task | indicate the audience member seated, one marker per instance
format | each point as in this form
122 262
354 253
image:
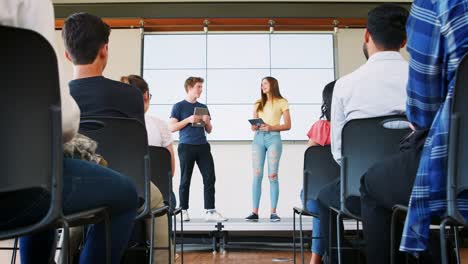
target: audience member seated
437 41
377 88
95 94
319 135
160 136
83 180
158 130
99 96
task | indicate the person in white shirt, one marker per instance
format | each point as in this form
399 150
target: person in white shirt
377 88
83 180
159 136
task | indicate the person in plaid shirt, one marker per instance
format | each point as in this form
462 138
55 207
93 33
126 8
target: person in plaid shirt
437 41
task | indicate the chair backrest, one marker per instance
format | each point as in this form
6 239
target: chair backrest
30 114
319 169
161 171
457 178
365 142
124 145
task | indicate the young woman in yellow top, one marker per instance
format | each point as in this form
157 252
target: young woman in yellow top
267 143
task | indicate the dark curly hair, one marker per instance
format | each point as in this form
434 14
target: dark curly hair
327 96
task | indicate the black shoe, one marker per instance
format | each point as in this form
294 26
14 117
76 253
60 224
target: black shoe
253 217
274 218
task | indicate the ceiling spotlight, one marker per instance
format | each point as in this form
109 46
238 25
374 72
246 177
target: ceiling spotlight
142 27
335 26
205 25
271 23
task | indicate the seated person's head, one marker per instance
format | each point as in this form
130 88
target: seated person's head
86 39
327 96
386 29
141 84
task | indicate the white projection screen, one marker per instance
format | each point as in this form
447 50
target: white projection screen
233 65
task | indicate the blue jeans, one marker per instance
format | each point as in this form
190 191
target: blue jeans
266 144
312 206
86 186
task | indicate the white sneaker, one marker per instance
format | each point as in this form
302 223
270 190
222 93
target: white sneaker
185 216
214 216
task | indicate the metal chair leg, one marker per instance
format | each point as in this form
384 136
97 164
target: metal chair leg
443 246
107 228
65 244
13 254
174 233
181 239
457 244
392 237
331 235
151 254
294 236
338 237
358 236
168 215
301 238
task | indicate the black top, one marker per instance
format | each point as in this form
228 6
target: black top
99 96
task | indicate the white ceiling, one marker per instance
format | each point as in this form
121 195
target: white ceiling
199 1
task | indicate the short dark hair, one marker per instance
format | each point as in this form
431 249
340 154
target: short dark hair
191 81
136 81
387 25
84 34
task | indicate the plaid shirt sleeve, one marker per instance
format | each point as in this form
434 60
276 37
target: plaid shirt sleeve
437 40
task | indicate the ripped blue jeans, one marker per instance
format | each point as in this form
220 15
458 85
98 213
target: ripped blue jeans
266 144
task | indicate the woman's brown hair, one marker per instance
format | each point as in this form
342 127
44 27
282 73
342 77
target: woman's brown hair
136 81
274 91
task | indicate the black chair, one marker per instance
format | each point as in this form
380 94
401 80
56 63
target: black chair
457 176
124 144
319 170
364 142
161 176
31 136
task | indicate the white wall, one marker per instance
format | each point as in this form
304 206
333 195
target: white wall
233 159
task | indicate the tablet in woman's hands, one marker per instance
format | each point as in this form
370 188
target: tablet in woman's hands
256 122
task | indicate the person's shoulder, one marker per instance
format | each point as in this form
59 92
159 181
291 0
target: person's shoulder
154 119
282 100
201 105
282 103
124 87
258 102
322 123
350 77
404 63
344 84
180 103
159 121
177 107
